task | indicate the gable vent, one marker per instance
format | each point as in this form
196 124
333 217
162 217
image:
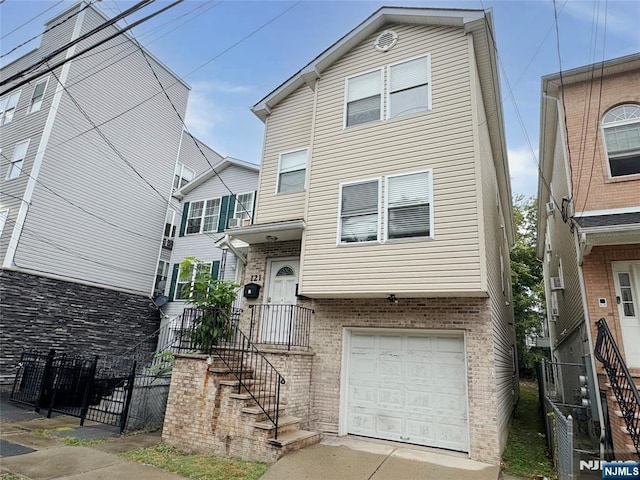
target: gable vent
385 41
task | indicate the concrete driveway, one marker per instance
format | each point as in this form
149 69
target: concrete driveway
348 458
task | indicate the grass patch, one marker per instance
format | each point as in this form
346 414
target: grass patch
199 467
71 441
11 476
526 455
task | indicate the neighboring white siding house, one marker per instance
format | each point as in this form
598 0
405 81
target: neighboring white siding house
88 158
207 204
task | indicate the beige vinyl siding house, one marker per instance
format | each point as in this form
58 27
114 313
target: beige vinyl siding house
399 242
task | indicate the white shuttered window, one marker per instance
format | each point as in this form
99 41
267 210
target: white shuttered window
409 87
293 171
359 212
409 205
364 98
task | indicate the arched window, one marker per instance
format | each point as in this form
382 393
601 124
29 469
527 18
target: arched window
621 126
285 272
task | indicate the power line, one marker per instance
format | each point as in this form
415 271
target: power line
31 19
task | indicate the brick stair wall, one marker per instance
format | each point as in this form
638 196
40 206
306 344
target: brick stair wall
206 414
622 444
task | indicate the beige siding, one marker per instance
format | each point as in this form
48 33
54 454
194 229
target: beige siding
498 281
441 140
288 128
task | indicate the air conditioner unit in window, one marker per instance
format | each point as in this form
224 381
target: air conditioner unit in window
246 222
235 222
555 312
557 283
550 208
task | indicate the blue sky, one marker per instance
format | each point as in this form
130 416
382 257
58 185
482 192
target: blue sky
283 36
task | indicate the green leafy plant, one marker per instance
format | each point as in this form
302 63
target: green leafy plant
162 363
214 300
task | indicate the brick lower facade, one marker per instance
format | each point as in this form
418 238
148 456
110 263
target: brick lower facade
69 317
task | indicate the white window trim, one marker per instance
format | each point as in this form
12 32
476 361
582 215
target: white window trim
388 89
4 215
193 278
235 207
339 242
44 93
616 123
13 161
386 208
306 168
4 108
346 91
204 209
181 169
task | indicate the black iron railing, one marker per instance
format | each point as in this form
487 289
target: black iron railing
625 390
286 325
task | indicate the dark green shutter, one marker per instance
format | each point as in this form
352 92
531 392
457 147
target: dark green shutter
183 223
224 214
215 269
255 200
174 279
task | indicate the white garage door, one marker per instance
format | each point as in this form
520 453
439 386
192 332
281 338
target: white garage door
408 388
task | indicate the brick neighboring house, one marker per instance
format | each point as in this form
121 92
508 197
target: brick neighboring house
589 225
384 205
80 230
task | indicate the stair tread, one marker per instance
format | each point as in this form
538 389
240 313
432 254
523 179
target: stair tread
292 437
257 410
282 421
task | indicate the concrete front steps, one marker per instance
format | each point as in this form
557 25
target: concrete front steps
290 436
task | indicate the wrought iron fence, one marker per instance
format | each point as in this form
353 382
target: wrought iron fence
622 384
84 386
286 325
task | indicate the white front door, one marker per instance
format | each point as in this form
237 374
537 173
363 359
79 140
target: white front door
627 281
281 297
408 387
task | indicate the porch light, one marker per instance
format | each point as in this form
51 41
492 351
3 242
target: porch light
271 238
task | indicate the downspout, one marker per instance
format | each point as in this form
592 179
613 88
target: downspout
583 289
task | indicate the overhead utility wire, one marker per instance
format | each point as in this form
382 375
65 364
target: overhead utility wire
51 92
47 30
31 19
62 62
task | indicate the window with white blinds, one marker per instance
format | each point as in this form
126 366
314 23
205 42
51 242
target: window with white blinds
621 127
359 212
292 171
409 205
364 98
204 216
408 87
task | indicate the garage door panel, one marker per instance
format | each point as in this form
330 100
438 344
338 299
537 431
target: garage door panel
408 387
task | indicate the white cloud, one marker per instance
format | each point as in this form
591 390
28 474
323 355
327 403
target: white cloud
202 114
619 17
524 171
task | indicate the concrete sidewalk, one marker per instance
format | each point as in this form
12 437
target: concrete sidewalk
348 458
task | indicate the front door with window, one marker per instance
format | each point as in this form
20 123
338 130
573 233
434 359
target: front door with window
281 298
627 282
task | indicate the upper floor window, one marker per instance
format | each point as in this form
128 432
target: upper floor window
183 175
204 216
3 219
408 210
359 212
38 95
292 171
409 87
8 106
621 127
364 98
244 206
19 152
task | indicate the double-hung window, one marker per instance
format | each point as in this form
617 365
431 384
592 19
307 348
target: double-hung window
8 106
409 90
292 171
187 279
359 212
409 205
621 127
244 206
204 216
19 152
183 175
38 95
364 98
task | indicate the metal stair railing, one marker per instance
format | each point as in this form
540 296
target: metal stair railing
254 372
625 390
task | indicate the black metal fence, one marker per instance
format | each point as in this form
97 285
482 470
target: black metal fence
286 325
85 386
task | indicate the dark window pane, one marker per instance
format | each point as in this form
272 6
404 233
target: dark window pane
628 165
363 110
